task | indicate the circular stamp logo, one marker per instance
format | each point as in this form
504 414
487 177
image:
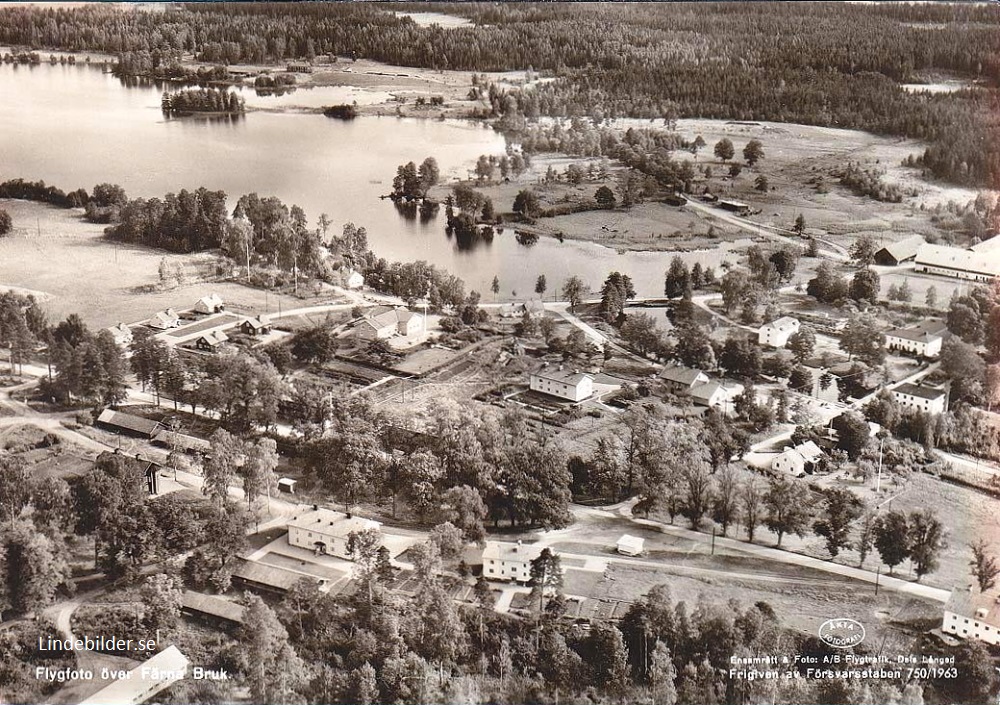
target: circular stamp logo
841 633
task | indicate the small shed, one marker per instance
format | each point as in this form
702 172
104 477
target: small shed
630 545
287 484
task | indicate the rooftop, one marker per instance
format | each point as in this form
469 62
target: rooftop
181 440
706 390
505 551
783 323
924 333
562 376
968 603
680 374
214 338
387 317
160 670
328 521
269 575
212 606
905 248
964 260
916 390
808 451
129 422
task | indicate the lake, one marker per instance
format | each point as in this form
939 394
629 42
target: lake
75 126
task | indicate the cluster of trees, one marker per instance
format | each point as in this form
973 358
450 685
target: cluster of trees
188 221
466 470
868 182
38 191
6 223
747 288
202 100
414 281
830 287
412 181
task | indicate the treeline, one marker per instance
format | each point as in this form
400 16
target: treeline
39 191
188 221
202 100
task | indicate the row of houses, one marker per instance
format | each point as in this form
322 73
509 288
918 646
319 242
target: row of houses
980 263
922 340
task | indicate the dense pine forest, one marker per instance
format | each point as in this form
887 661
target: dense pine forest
826 64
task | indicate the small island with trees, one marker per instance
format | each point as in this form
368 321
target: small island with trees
344 111
189 101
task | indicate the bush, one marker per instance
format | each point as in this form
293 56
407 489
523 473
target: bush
5 222
85 418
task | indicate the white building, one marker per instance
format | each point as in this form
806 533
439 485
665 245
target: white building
776 333
209 304
980 266
509 561
565 384
679 379
717 395
353 279
326 531
122 334
969 615
924 340
798 460
165 320
629 545
915 397
384 322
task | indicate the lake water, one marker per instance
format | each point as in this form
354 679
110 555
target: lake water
74 126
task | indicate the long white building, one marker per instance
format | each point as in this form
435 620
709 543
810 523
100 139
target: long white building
971 615
981 266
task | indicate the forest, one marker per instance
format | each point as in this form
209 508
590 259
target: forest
832 64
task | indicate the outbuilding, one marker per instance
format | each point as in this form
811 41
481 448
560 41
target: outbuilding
629 545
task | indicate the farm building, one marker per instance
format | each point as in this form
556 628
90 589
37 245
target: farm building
924 340
738 207
565 384
212 303
211 608
989 245
776 333
164 320
257 325
970 615
930 400
533 307
181 441
680 379
801 459
955 262
905 250
130 425
384 322
122 334
287 485
716 395
629 545
211 340
268 579
144 681
509 561
326 531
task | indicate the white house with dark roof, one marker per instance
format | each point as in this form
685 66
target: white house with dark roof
164 320
680 379
915 397
565 384
122 334
980 266
326 531
509 561
972 615
776 333
923 340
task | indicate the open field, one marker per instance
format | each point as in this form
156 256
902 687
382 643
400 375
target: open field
63 259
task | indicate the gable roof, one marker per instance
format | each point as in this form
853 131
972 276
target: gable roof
168 317
968 604
903 249
182 440
214 338
269 575
166 667
120 331
330 522
212 606
987 245
137 424
382 317
706 390
681 374
211 301
256 322
808 451
986 263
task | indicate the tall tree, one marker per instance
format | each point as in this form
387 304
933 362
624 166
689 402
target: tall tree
927 541
839 510
573 290
892 538
985 567
274 670
788 507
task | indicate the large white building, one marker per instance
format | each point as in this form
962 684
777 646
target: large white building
981 266
776 333
565 384
915 397
509 561
326 531
924 340
971 615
